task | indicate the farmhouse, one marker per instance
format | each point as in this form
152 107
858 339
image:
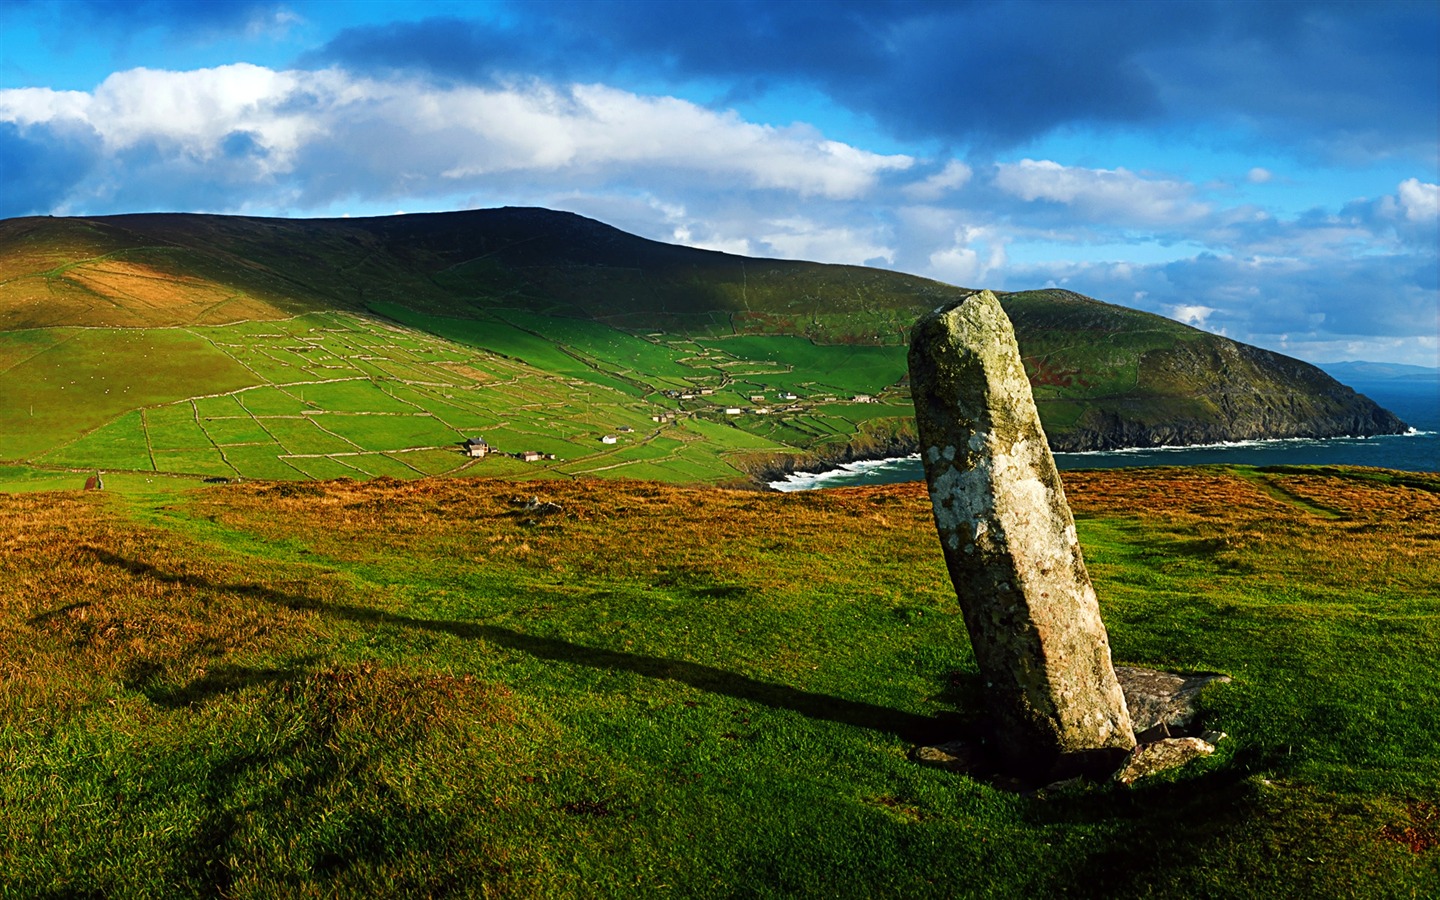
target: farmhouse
476 447
531 455
609 439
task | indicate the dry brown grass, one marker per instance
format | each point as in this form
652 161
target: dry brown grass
88 599
602 528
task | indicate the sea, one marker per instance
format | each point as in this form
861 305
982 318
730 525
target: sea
1417 402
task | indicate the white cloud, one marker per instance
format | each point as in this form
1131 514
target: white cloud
1117 195
954 176
1258 175
800 238
1419 200
1191 314
970 260
413 137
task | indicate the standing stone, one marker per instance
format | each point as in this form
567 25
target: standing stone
1009 543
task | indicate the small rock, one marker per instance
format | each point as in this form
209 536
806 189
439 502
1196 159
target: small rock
1065 785
1157 732
1213 737
957 756
1160 698
1169 753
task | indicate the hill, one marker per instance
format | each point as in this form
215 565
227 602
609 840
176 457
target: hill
225 346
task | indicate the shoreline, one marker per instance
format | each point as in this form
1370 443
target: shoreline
797 480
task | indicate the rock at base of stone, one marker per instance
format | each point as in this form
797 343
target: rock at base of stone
1159 756
966 757
1161 703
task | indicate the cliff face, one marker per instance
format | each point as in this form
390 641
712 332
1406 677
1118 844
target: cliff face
1106 377
1227 392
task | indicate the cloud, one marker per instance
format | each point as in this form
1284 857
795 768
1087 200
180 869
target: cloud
1276 303
1419 201
952 177
970 259
801 238
1190 314
1117 195
189 19
1345 81
316 136
42 163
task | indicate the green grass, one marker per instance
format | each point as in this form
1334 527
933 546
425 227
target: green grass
236 430
260 461
92 376
416 688
807 368
119 445
390 432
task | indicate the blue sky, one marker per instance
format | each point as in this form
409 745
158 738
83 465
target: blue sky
1264 170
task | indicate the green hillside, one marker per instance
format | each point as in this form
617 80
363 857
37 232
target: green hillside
227 346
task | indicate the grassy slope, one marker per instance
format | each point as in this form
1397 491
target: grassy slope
546 288
411 688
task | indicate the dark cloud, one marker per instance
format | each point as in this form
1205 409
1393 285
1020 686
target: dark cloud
188 17
42 165
1343 79
450 48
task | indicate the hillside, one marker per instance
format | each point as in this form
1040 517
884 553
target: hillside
225 346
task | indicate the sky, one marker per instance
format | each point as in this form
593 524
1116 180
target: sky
1262 170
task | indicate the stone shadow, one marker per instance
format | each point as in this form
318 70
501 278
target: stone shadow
822 707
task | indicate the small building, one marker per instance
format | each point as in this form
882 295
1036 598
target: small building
786 395
531 455
477 447
609 439
757 398
625 429
705 392
732 410
862 398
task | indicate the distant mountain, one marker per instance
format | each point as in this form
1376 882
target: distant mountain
1364 371
1104 376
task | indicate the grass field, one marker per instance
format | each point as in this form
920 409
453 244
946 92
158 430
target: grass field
412 688
245 400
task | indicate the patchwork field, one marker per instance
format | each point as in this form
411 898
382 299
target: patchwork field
337 394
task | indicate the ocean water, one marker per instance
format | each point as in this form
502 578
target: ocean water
1418 403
